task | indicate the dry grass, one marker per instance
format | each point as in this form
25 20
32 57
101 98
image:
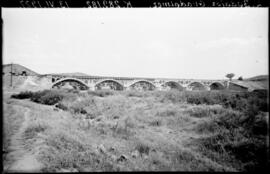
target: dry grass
148 131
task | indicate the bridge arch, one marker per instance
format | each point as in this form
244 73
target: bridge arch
142 85
216 86
173 85
194 86
109 84
73 82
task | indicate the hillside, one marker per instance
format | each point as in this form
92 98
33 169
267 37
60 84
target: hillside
258 78
17 70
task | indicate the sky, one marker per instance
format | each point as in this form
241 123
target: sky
184 43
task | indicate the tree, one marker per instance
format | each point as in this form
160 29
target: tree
230 76
240 78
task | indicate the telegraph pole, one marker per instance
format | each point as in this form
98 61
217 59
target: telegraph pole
11 76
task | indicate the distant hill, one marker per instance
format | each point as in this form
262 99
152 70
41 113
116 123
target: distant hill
17 70
258 78
20 70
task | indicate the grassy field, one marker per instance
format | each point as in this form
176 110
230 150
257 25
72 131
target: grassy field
68 130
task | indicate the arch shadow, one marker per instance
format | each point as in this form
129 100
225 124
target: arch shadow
109 84
197 86
216 86
143 85
75 83
173 85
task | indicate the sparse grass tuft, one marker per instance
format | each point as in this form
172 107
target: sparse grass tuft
123 128
200 111
156 122
32 130
142 148
167 112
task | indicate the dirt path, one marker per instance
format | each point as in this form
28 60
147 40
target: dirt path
24 161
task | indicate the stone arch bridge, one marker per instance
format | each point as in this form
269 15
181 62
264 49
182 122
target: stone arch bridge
125 83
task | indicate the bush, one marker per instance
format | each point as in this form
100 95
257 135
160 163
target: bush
101 93
251 102
61 106
207 127
259 125
207 97
78 110
48 97
167 111
134 93
172 95
22 95
204 111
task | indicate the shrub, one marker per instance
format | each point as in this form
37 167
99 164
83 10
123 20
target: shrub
204 110
78 110
48 97
172 95
169 111
75 91
260 126
61 106
22 95
101 93
251 102
51 99
206 97
207 127
134 93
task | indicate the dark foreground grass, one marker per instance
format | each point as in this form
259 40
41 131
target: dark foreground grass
237 139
